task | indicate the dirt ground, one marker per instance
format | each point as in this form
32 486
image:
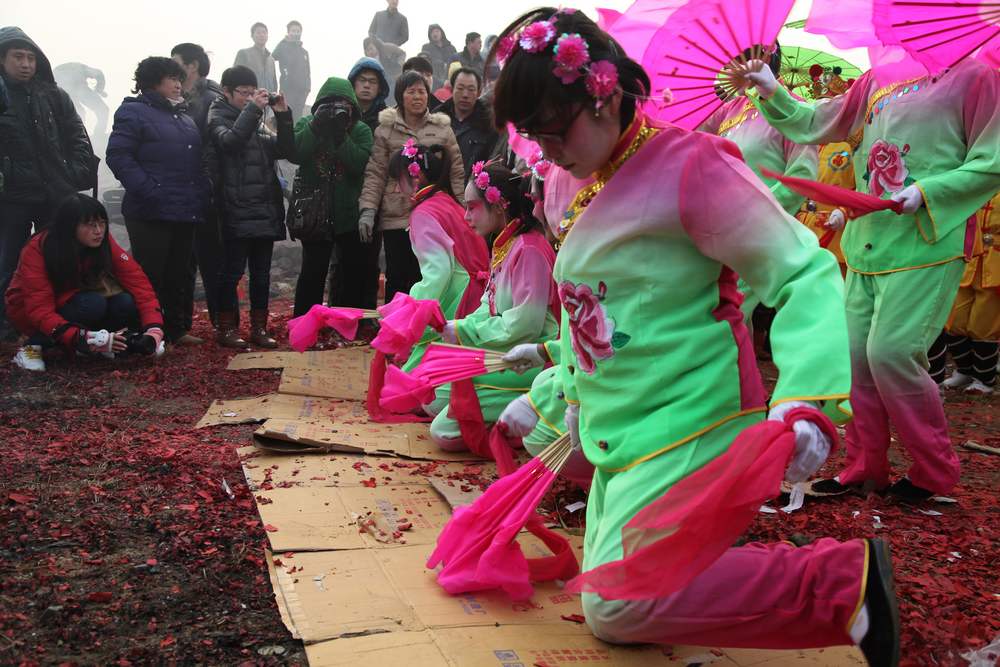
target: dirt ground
127 537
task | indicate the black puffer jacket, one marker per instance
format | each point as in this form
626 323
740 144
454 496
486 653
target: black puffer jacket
45 153
476 135
240 163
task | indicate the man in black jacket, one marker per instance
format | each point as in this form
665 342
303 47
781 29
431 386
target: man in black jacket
470 118
200 92
45 153
293 64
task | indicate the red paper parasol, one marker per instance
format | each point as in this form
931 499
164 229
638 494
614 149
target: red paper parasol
687 56
404 321
303 330
478 548
937 33
859 203
676 537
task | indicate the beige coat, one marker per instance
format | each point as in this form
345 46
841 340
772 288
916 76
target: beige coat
391 134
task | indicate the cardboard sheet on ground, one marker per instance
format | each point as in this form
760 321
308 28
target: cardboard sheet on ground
318 360
436 609
331 594
330 518
344 426
548 645
276 470
350 383
261 408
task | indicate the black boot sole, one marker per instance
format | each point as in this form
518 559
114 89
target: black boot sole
880 645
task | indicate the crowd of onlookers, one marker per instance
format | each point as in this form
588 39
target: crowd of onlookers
214 173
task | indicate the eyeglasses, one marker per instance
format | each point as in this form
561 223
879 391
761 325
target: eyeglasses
96 223
244 92
372 81
557 137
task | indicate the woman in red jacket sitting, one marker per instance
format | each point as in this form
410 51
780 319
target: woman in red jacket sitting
75 286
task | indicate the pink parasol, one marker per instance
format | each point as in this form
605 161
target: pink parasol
937 33
634 29
404 321
478 548
688 56
991 54
859 203
674 538
303 330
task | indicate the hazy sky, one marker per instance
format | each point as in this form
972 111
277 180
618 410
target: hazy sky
114 35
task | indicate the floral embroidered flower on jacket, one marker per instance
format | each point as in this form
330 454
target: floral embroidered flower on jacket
887 170
591 330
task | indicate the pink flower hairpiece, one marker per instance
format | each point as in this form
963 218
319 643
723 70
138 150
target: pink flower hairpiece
412 153
539 166
410 148
481 179
570 55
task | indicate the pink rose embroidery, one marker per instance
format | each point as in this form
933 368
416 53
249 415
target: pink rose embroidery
591 330
887 170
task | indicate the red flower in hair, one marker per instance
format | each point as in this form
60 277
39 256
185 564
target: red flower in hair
537 36
602 80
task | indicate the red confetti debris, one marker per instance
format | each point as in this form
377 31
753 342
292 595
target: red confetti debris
574 618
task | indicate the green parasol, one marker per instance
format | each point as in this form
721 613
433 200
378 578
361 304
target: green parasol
795 64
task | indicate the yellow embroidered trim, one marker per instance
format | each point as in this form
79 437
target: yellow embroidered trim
840 407
583 198
685 440
490 386
500 254
864 587
906 268
738 119
548 352
811 398
542 417
458 334
571 401
885 92
929 215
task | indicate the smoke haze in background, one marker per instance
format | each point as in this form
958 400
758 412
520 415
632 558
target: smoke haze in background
114 35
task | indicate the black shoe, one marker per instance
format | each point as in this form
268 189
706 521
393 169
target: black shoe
880 645
831 487
908 492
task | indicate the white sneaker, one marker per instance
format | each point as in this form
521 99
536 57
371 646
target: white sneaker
957 380
30 358
977 387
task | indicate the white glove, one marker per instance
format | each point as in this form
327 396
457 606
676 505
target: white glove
366 225
812 446
448 334
835 220
524 357
762 78
912 198
573 425
519 417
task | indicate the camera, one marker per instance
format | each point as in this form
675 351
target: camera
272 99
341 114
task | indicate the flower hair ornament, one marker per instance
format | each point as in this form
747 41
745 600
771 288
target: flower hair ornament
570 54
491 193
539 166
411 152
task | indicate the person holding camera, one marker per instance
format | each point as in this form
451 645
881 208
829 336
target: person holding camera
332 146
240 163
75 286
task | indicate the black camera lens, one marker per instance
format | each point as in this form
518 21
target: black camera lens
272 99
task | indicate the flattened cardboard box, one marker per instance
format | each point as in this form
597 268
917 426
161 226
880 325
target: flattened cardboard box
412 649
406 568
263 467
350 384
261 408
317 360
327 518
330 594
345 426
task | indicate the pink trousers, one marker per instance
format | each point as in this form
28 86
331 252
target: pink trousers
892 319
774 596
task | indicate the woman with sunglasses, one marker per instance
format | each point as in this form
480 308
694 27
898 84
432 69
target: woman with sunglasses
519 306
658 369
